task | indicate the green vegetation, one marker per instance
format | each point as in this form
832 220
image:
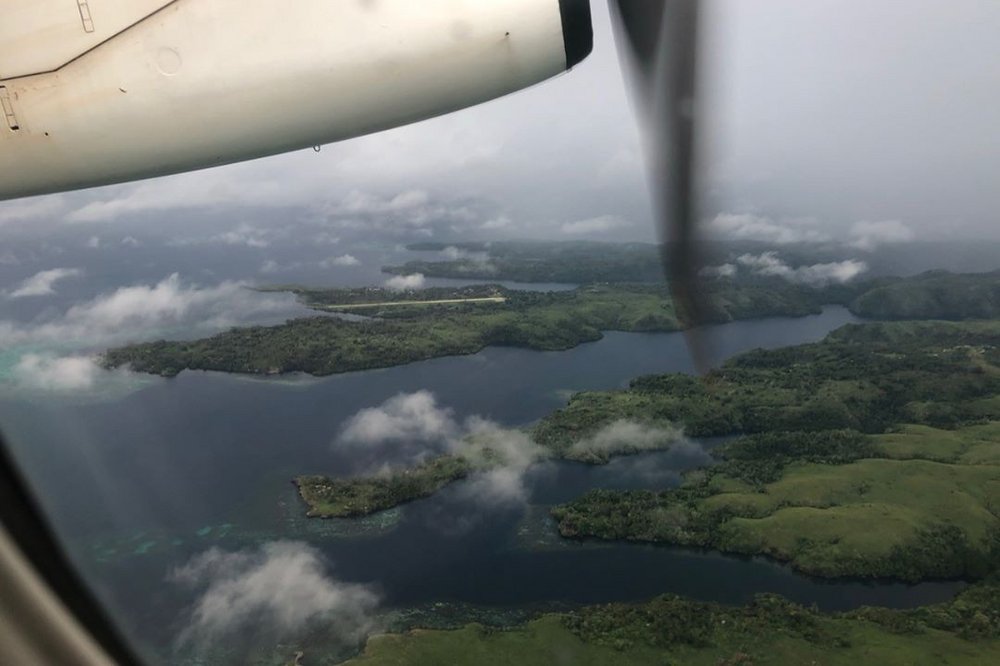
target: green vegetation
414 325
403 334
933 295
585 262
824 479
335 300
673 630
575 262
344 498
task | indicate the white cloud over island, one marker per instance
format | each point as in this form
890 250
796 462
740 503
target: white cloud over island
838 272
870 235
404 282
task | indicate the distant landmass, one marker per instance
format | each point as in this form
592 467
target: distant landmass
400 327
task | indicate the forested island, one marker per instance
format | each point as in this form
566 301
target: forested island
872 454
408 326
875 453
673 630
346 498
413 325
585 262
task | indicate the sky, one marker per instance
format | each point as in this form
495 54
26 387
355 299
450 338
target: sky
817 117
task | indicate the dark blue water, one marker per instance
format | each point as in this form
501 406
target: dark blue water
138 485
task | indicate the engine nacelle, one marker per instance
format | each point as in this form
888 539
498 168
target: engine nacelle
115 90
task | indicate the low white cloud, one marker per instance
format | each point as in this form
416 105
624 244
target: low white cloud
41 283
768 263
244 234
130 241
594 225
34 208
402 282
508 452
141 310
869 235
623 436
342 260
470 262
498 222
270 266
406 417
422 428
51 373
744 226
93 242
723 270
277 590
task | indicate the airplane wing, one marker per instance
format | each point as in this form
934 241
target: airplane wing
104 91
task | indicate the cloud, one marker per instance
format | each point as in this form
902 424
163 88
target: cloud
869 235
743 226
342 260
499 222
510 452
49 373
41 283
623 436
724 270
402 282
130 241
768 263
406 417
142 310
244 234
469 261
33 208
594 225
422 427
270 266
277 590
93 242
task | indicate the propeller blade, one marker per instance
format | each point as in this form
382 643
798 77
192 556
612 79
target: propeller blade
658 46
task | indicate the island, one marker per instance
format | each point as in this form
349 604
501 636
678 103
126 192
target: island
346 498
395 327
874 453
673 630
586 262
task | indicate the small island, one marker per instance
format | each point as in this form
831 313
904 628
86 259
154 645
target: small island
348 498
